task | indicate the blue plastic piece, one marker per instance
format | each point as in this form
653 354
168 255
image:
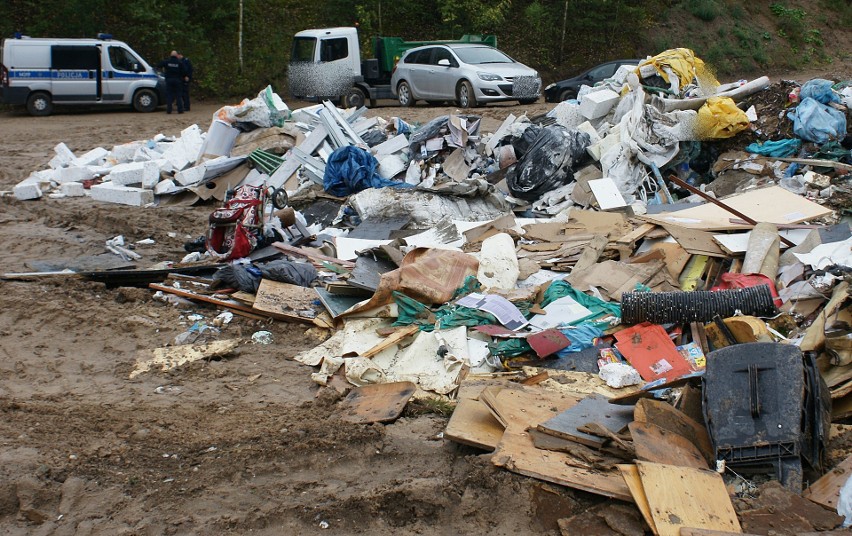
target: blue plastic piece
817 122
351 169
820 90
776 149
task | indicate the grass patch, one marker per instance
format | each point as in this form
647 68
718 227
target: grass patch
706 10
429 406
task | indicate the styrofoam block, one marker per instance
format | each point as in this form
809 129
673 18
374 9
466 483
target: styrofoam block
150 175
123 195
125 152
145 153
26 189
63 157
72 189
165 187
72 174
94 157
610 140
598 103
590 130
190 176
128 174
184 151
164 165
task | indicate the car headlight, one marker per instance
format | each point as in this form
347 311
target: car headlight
549 86
489 77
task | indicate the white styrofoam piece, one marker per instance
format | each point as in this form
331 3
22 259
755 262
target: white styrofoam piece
347 248
128 174
94 157
498 263
590 130
613 138
122 195
165 187
63 157
125 152
598 103
184 151
606 193
72 189
26 189
73 174
738 242
190 176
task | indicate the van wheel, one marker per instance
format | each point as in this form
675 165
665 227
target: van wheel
145 100
404 94
465 94
39 104
355 98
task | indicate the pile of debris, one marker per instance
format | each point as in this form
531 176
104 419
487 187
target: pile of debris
570 282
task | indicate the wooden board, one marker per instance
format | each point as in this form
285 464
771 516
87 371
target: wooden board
287 300
592 409
688 531
592 253
687 497
826 490
382 402
473 424
523 408
653 444
634 483
695 241
669 418
771 205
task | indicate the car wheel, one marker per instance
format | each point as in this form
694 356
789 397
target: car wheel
466 97
527 101
144 101
355 98
567 94
39 104
404 94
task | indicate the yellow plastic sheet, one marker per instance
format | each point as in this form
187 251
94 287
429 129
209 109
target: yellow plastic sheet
686 66
720 118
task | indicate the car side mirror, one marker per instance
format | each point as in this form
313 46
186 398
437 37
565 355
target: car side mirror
136 68
444 63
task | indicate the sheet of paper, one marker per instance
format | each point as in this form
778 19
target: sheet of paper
502 309
562 311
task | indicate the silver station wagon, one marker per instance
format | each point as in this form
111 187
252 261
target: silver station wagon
468 74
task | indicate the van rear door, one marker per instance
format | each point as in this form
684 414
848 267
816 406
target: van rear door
75 72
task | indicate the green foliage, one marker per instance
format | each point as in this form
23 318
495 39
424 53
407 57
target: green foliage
706 10
474 16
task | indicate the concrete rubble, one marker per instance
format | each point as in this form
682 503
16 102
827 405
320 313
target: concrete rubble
618 254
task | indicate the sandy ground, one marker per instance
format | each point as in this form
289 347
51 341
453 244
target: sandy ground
239 445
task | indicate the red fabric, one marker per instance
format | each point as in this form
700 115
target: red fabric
734 281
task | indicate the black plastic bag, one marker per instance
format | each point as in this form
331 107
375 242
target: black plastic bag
548 162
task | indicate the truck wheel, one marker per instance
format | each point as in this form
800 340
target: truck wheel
465 94
145 100
355 98
404 94
39 104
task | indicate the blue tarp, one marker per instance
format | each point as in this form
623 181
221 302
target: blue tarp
352 169
776 149
817 122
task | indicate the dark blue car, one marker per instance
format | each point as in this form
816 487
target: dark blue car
567 89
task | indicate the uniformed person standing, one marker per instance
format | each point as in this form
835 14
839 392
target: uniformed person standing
187 79
173 70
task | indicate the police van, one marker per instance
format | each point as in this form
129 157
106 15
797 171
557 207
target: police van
41 72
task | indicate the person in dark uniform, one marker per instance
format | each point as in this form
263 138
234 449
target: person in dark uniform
187 79
173 70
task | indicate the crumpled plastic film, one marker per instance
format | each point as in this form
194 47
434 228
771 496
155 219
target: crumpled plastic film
720 118
679 67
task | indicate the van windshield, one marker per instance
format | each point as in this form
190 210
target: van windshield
479 55
303 49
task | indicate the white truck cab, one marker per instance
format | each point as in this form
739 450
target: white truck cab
41 72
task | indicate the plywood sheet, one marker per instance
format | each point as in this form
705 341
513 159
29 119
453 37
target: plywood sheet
287 300
473 424
592 409
687 497
382 402
630 473
669 418
516 451
826 490
695 241
771 205
654 444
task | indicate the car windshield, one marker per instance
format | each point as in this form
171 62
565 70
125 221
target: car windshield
480 55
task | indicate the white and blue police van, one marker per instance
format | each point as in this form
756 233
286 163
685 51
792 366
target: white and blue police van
41 72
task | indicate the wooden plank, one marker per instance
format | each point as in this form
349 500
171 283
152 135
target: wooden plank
695 241
669 418
528 407
689 531
382 402
634 483
290 301
826 490
592 409
636 234
655 444
473 424
316 258
232 305
687 497
392 340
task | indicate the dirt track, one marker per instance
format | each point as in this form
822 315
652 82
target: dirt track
239 445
